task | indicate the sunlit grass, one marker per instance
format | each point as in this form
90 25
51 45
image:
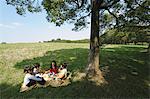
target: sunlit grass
128 74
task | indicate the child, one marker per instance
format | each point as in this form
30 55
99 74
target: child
48 75
36 68
62 72
53 68
30 79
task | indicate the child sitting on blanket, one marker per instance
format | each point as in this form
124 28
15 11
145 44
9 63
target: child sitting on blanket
53 69
48 75
30 79
36 68
62 72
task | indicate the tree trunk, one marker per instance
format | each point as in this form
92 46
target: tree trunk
148 49
92 71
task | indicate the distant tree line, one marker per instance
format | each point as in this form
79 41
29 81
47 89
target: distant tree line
68 41
114 36
3 42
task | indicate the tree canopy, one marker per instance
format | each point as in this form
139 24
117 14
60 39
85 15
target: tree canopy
112 12
133 35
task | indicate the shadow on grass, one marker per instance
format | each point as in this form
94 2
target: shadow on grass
76 59
83 89
127 76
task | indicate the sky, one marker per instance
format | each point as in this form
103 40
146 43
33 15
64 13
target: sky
33 27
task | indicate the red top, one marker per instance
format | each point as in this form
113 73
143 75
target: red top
54 70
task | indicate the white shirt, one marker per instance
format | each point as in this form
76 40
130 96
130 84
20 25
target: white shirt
63 72
29 77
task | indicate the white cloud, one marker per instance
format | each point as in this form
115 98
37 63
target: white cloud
16 24
11 25
7 26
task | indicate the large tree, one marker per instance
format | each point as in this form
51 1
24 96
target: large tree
104 14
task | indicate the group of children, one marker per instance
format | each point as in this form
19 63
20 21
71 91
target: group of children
33 75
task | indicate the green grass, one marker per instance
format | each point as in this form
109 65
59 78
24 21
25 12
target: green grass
122 60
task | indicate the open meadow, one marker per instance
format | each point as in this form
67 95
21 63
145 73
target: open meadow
127 70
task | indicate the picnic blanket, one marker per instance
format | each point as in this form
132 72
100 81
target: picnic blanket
53 83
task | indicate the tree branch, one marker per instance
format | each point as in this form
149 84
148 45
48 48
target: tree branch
105 5
141 5
128 4
78 4
84 16
117 20
142 19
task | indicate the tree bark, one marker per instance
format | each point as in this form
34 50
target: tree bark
92 71
148 49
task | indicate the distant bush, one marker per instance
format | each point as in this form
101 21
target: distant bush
3 43
58 39
53 40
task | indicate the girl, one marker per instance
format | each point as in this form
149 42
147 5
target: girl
53 68
48 75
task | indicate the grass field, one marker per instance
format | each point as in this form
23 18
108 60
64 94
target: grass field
127 76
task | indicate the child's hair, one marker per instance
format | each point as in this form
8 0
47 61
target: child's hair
55 64
28 69
64 65
36 65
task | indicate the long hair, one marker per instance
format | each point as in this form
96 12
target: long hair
55 64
